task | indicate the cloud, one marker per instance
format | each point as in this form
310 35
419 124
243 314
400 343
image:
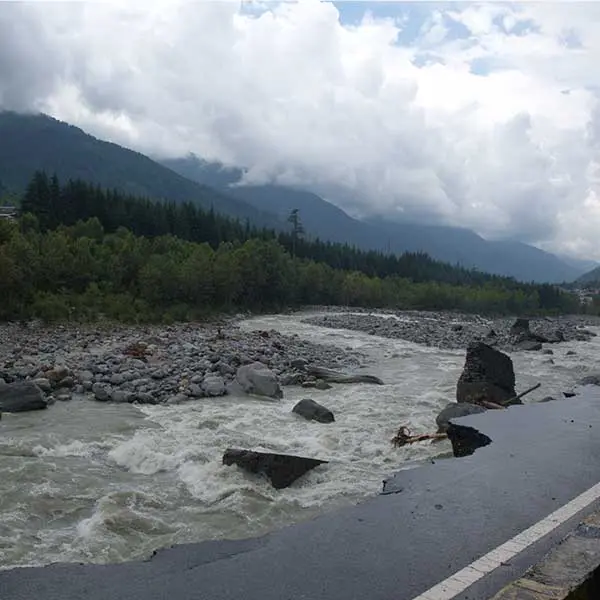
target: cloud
484 116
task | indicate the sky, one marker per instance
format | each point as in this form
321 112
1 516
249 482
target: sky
480 115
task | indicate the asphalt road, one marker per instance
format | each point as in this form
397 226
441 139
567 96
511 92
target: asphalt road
429 523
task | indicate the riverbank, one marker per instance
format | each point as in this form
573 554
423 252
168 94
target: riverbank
155 364
454 330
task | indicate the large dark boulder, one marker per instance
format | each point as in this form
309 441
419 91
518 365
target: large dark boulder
488 375
455 410
281 469
21 396
336 377
313 411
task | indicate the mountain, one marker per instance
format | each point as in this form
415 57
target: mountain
39 142
327 221
590 278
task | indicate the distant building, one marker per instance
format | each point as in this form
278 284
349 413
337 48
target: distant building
8 212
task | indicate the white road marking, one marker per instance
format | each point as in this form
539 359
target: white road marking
461 580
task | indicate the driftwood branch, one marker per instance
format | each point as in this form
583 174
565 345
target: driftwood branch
404 437
519 396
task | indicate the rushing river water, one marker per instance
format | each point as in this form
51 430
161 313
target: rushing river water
91 482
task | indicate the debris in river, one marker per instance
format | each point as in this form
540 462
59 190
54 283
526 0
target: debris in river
331 376
281 469
404 437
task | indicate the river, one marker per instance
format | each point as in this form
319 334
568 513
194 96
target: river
93 482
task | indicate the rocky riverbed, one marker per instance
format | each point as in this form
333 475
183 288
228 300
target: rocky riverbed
152 365
455 331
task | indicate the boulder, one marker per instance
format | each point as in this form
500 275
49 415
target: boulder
281 469
322 385
256 378
21 396
455 410
213 385
529 345
102 392
336 377
488 375
44 384
313 411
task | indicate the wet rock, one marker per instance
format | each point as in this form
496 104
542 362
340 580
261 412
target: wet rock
195 391
144 398
313 411
322 385
335 377
455 410
299 363
21 396
44 384
257 379
57 373
213 385
121 396
488 375
281 469
547 351
67 382
102 392
571 353
529 345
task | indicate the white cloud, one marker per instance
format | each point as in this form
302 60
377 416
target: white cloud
496 129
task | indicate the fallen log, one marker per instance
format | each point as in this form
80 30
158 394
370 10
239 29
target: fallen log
332 376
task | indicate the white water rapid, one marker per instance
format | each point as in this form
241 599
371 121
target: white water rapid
94 482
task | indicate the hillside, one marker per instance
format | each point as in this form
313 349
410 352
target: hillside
323 219
590 278
39 142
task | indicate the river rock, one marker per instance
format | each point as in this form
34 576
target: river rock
281 469
332 376
44 384
21 396
213 385
102 392
529 345
257 379
322 385
455 410
488 375
313 411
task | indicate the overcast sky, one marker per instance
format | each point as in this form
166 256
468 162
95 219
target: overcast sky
479 115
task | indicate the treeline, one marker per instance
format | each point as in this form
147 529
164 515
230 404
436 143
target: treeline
57 263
